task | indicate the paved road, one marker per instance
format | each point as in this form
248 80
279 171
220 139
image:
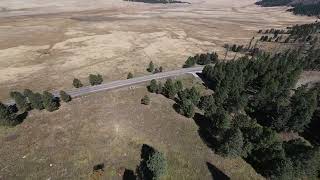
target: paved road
122 83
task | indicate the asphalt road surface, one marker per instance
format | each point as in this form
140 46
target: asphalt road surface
122 83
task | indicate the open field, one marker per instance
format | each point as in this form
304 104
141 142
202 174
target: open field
44 45
110 128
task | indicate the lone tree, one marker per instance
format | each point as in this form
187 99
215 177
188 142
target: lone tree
157 165
77 83
21 101
49 102
95 79
130 75
36 101
150 67
65 96
145 100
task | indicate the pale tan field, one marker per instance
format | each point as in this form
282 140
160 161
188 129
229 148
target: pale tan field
45 44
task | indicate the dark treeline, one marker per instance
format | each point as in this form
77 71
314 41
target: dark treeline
201 59
157 1
303 38
306 9
300 8
253 100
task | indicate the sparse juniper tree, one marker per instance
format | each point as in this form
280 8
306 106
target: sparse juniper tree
157 165
169 89
153 87
95 79
77 83
145 100
21 101
49 102
36 101
130 75
150 67
65 97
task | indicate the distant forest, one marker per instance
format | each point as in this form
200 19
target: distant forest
301 8
157 1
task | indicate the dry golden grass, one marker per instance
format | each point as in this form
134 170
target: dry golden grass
110 128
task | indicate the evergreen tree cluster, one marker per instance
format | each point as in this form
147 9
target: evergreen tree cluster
306 9
186 99
252 100
27 101
271 3
201 59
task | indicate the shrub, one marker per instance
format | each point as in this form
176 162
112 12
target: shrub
145 100
95 79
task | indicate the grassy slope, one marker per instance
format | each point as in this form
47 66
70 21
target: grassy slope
109 128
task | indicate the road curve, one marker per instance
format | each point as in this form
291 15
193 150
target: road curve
122 83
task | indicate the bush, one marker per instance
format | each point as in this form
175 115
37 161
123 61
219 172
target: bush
145 100
95 79
77 83
65 97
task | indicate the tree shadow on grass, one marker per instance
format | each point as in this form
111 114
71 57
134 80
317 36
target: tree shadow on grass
143 171
216 173
204 130
207 83
129 175
21 117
